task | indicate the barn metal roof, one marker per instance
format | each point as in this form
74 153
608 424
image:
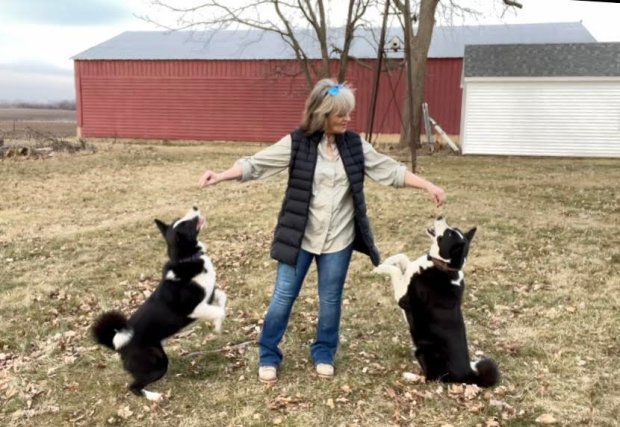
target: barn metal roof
447 42
543 60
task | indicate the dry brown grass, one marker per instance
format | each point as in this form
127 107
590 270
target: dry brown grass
77 237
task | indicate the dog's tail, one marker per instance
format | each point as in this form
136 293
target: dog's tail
485 373
111 330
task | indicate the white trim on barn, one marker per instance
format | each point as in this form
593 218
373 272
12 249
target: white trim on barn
541 116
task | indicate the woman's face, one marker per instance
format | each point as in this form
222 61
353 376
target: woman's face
337 123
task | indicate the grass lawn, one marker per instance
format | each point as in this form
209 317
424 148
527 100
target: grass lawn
77 237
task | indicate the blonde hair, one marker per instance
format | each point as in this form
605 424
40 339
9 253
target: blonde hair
326 97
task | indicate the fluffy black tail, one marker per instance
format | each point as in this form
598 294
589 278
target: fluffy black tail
106 326
486 373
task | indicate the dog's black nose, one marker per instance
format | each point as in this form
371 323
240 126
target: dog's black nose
440 217
195 208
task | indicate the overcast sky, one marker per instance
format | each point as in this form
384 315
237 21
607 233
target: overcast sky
38 37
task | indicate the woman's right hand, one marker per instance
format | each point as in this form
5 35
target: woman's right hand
209 178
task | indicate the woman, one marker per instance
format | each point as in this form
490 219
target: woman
323 216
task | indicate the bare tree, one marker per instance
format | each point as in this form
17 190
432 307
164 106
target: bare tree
283 17
286 17
417 45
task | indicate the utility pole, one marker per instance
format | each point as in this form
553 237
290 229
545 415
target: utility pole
375 87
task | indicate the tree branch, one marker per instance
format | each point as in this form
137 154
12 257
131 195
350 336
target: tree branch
513 4
290 38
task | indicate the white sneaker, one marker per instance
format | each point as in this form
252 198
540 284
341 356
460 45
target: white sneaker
325 370
267 374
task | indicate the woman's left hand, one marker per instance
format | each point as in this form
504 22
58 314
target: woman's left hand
438 194
412 180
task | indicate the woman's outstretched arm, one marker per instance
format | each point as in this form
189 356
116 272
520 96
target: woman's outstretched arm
415 181
211 178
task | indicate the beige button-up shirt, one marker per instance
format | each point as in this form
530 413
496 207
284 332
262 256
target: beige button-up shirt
330 226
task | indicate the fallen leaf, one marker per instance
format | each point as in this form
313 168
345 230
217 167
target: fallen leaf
492 422
474 408
496 403
546 419
124 412
471 391
410 377
455 389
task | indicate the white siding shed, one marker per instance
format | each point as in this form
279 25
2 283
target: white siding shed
542 100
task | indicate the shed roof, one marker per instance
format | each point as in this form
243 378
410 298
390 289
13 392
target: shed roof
447 42
543 60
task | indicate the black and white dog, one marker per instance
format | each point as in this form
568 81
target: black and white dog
187 292
430 292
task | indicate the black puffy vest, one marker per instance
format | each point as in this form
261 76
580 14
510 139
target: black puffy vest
293 216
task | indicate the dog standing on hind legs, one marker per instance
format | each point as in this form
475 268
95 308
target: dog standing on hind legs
430 292
187 292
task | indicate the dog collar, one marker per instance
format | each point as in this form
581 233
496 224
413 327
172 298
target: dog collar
194 257
442 265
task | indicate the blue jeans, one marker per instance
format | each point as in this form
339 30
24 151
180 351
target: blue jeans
332 271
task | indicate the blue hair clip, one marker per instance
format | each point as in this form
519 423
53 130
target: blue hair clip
335 90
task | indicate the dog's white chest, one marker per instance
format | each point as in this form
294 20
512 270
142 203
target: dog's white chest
206 279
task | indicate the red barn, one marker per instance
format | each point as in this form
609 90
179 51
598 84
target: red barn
246 86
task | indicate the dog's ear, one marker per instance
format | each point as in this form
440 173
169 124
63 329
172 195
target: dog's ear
403 302
470 234
163 227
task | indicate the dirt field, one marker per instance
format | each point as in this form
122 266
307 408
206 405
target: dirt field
14 122
77 238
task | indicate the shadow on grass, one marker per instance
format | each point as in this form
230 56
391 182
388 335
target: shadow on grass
199 367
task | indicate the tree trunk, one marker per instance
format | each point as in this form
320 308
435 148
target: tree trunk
349 31
416 65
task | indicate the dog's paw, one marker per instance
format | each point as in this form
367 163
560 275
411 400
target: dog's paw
399 260
386 269
218 327
382 269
